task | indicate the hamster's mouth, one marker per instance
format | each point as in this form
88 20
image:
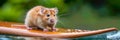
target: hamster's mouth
51 22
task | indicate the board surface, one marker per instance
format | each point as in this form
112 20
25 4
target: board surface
9 28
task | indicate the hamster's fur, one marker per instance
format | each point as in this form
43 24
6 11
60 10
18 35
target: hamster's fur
41 17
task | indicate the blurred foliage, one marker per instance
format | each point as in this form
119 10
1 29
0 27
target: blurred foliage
85 14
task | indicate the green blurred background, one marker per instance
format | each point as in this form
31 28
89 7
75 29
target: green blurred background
80 14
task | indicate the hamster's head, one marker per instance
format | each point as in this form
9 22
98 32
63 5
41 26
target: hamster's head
49 15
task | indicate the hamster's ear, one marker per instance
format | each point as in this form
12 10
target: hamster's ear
55 9
41 11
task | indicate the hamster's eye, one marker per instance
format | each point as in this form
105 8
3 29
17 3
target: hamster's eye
54 15
48 15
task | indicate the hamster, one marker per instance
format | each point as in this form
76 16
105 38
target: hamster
41 17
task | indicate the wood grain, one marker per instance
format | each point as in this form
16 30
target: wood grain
60 33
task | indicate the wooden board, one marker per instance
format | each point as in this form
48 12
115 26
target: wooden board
60 33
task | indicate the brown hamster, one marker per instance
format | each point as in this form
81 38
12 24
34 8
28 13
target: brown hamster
41 17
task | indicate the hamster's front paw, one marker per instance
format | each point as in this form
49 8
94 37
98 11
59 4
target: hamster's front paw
54 29
45 30
29 28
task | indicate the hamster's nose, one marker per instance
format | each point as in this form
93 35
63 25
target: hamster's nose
52 20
